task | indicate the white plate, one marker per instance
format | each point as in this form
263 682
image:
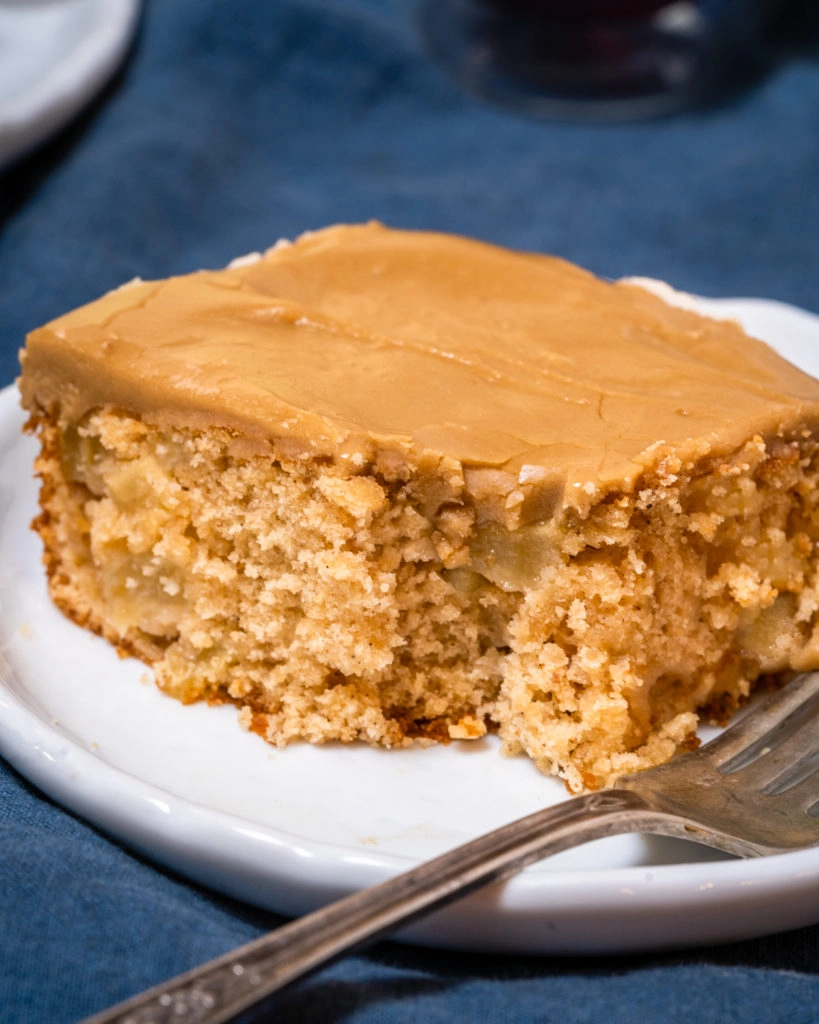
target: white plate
55 55
289 830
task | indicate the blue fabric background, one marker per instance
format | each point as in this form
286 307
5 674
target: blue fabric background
235 123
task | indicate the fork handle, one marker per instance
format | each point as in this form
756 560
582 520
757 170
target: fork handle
219 990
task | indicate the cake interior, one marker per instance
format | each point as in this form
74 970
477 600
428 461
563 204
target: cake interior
388 601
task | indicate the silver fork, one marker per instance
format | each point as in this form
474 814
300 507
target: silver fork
752 791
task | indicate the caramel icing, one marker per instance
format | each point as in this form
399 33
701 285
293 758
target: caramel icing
361 336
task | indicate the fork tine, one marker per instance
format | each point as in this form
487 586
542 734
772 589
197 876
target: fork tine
781 756
785 769
801 770
800 798
766 725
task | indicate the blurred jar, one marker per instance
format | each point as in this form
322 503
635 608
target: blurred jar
601 59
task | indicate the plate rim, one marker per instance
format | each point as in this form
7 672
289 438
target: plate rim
70 85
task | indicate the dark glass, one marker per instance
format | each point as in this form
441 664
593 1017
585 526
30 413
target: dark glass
603 59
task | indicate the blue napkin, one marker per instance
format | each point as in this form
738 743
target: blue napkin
234 124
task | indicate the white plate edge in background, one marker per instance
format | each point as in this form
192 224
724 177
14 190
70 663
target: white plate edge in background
70 76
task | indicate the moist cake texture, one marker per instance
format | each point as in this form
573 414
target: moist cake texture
382 485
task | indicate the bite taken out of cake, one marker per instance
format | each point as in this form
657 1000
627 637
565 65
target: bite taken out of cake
385 486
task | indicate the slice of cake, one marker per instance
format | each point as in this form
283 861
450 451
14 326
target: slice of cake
382 485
